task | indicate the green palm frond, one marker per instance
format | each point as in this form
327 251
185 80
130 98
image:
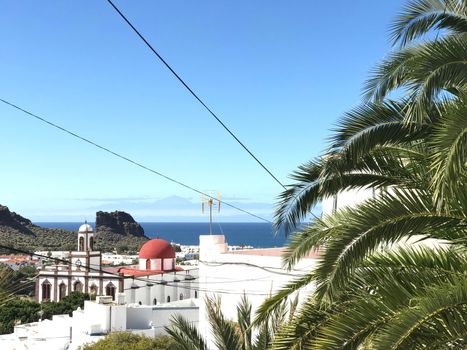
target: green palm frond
270 327
267 308
9 287
449 161
301 331
396 274
186 334
424 71
418 17
441 310
357 232
316 181
374 124
244 321
386 284
224 331
298 200
301 243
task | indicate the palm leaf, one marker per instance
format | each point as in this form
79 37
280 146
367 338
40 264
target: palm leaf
420 16
449 162
445 305
225 334
186 334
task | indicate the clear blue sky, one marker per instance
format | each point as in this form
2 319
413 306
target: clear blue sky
279 73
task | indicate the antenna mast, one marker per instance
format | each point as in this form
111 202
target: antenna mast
211 202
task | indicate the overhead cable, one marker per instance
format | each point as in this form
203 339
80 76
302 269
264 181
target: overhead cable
190 90
140 165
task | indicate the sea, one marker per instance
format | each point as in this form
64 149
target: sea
258 235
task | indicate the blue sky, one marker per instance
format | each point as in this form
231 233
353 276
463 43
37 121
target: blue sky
278 73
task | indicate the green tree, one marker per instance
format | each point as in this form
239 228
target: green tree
65 306
373 290
17 310
129 341
25 310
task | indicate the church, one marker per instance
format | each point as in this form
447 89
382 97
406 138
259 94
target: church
156 279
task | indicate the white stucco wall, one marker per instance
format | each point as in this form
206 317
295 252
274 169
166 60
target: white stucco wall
346 199
231 281
157 317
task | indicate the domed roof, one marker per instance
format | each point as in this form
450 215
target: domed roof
85 228
156 249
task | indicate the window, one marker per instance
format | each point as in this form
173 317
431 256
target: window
78 286
196 294
93 289
181 296
148 264
61 291
45 290
81 244
110 290
154 301
168 299
91 243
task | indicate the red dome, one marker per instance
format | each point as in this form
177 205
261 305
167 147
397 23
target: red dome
157 249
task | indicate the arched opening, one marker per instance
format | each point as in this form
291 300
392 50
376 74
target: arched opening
168 299
81 244
110 290
78 286
91 243
46 290
93 291
154 301
148 264
181 296
196 294
61 291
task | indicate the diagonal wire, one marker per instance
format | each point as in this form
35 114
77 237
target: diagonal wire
193 93
128 159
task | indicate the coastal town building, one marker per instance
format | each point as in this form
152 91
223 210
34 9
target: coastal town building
118 259
155 279
15 262
232 274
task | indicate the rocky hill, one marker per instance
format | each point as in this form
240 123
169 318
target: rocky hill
115 231
118 222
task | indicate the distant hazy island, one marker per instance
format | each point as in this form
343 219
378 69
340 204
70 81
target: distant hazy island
116 230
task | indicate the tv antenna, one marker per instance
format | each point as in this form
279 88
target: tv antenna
211 202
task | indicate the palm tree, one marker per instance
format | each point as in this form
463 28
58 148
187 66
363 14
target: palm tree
425 70
373 290
10 286
229 335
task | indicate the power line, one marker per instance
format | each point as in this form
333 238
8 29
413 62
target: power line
128 159
142 279
265 268
193 93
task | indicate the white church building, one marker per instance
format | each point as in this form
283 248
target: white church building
156 279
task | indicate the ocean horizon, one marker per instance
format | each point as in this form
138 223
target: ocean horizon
258 235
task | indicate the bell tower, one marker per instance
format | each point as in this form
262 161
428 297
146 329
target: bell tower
85 238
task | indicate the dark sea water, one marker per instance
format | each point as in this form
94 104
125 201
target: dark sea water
255 234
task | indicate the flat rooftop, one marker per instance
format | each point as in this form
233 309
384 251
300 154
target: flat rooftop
270 252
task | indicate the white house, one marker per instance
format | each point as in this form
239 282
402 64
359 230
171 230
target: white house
256 273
